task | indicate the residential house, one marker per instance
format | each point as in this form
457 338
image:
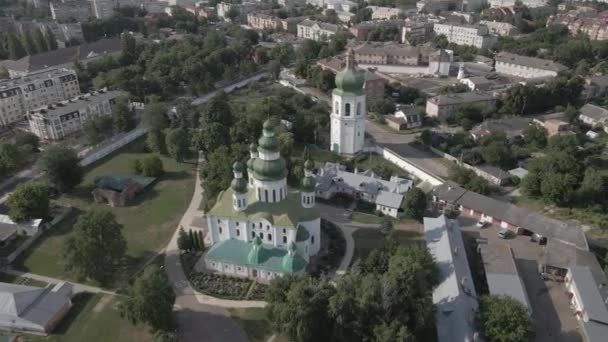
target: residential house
595 86
442 106
454 295
316 30
555 126
400 120
512 127
417 27
387 54
512 3
361 30
367 186
33 310
500 28
594 116
462 34
29 228
263 21
385 13
494 175
594 25
56 121
588 300
526 67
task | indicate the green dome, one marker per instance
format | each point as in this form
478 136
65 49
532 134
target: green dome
308 184
294 262
239 185
237 167
269 143
268 125
350 80
269 169
250 163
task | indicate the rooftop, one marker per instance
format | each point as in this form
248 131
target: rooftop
589 294
34 76
288 212
322 25
594 112
532 62
461 98
501 272
455 293
392 48
72 105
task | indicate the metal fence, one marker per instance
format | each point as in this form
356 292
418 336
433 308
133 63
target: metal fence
119 141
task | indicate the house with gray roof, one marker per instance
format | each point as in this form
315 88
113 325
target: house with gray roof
588 303
501 273
367 186
594 116
316 30
526 67
33 310
454 296
442 106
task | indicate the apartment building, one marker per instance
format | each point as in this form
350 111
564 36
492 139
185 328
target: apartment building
526 67
316 30
26 93
593 25
500 28
263 21
475 35
69 11
102 8
443 106
511 3
385 13
56 121
361 30
387 54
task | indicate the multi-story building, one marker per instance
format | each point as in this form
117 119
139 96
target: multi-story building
475 35
384 13
70 11
316 30
416 28
387 54
20 95
263 21
593 25
511 3
500 28
526 67
361 30
102 8
443 106
61 119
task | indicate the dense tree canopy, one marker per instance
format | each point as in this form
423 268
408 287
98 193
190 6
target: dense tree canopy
29 201
61 167
504 319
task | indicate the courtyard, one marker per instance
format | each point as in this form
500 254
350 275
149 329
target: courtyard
148 221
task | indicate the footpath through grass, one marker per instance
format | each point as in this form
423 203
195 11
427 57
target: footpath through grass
94 318
368 239
148 221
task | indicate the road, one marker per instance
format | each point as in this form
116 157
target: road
196 321
229 88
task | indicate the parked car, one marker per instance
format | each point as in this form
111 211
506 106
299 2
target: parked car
503 233
480 224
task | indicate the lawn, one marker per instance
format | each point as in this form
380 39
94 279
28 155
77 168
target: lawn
368 161
255 324
148 222
13 279
368 239
95 318
365 218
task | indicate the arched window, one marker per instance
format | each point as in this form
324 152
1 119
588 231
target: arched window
359 108
269 237
347 109
337 107
284 239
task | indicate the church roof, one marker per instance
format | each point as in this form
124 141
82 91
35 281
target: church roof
268 257
288 212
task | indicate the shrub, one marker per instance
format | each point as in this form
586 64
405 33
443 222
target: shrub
152 167
135 166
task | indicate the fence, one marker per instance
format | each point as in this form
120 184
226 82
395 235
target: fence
119 141
496 179
408 166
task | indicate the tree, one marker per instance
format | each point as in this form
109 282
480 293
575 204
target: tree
504 319
51 42
135 166
558 188
150 300
15 48
152 166
497 153
28 141
91 133
232 13
10 155
594 186
155 141
128 49
154 117
29 201
194 240
61 166
414 204
28 43
535 135
201 240
4 73
122 117
40 41
177 143
386 226
95 246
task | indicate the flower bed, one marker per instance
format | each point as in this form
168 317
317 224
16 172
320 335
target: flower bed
221 286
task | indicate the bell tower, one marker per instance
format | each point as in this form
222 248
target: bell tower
348 109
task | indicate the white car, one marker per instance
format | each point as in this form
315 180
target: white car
480 224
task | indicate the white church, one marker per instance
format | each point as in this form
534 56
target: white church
258 227
348 109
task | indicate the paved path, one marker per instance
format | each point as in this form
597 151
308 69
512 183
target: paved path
229 88
77 286
197 321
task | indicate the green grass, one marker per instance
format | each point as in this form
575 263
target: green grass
95 318
368 239
368 161
365 218
13 279
255 324
148 222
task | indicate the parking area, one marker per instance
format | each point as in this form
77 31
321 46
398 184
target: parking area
553 320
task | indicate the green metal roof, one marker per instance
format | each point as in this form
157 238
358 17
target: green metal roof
349 81
268 257
308 184
118 182
239 185
288 212
269 169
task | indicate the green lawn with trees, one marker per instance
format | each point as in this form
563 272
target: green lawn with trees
369 239
147 223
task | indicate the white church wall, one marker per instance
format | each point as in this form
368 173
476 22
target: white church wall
314 228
